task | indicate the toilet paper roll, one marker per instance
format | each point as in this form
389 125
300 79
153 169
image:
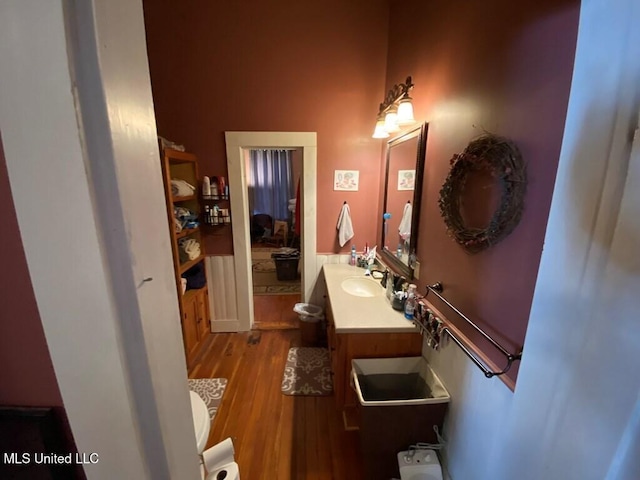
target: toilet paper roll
226 472
218 455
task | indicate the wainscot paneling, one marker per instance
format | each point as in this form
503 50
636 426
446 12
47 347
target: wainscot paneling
222 293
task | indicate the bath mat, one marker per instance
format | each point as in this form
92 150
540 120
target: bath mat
210 390
307 372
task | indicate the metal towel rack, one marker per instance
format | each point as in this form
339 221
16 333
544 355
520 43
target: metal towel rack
437 289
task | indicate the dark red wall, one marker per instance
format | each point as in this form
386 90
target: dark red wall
282 65
27 378
503 67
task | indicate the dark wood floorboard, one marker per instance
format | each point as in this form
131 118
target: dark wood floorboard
276 437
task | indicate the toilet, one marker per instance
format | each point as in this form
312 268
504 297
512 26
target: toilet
217 462
419 465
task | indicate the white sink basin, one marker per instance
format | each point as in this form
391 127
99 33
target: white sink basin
361 287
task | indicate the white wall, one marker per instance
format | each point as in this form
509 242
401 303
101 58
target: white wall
575 413
86 198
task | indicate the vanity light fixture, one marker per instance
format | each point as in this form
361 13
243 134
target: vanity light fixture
396 111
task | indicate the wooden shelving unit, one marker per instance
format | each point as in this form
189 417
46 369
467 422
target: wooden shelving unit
194 304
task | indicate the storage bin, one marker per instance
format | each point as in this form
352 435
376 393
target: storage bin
286 265
401 399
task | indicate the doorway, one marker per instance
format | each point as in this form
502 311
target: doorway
238 145
273 177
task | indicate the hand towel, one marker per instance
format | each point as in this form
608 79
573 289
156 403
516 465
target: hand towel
344 227
405 224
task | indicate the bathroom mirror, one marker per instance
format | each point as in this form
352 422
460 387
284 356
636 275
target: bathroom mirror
402 192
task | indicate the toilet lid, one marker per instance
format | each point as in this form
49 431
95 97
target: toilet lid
201 420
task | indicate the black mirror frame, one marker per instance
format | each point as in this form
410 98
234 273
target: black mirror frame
386 256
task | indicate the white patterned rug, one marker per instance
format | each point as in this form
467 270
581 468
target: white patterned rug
210 390
307 372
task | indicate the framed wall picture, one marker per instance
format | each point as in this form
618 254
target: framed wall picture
406 179
346 180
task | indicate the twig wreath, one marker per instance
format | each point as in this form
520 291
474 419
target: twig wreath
503 160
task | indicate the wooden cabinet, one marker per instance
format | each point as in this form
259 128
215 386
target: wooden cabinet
343 347
195 319
194 303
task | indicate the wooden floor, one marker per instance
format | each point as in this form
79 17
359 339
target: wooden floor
275 312
276 437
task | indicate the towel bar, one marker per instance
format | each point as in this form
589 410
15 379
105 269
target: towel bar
437 289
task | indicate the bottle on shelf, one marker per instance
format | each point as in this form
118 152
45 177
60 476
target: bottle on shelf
353 259
206 187
222 187
215 212
214 187
399 251
410 302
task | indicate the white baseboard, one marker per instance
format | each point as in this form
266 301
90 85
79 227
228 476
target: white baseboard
225 326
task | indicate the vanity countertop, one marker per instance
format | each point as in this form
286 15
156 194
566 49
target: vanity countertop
353 314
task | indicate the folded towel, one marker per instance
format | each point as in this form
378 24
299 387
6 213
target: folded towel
405 223
344 227
190 248
181 188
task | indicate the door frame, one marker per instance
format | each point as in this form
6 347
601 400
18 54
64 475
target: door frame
237 145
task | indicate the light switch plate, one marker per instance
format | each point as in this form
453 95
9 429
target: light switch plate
416 270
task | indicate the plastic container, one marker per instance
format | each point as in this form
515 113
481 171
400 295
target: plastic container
286 265
419 464
410 303
310 318
401 399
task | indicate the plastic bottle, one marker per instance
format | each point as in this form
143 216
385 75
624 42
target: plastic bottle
214 186
399 251
410 302
352 260
206 187
215 212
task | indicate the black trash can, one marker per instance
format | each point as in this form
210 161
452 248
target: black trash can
401 400
286 265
